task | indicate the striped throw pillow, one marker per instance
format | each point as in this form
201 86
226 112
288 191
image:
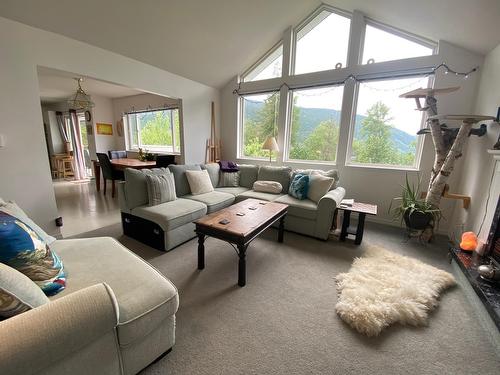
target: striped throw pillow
161 188
229 179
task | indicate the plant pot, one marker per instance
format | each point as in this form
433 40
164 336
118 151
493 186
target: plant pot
417 220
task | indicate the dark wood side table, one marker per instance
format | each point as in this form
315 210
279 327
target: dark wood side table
362 209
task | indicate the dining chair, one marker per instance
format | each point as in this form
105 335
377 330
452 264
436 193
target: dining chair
163 161
108 172
121 154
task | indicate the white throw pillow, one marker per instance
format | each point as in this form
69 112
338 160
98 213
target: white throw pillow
319 185
199 182
267 187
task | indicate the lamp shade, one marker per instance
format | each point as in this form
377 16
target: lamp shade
270 144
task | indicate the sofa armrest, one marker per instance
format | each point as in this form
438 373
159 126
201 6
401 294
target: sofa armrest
326 211
38 338
122 199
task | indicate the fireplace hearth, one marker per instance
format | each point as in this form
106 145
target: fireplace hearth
487 290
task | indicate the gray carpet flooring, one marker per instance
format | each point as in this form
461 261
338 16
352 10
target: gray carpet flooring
284 322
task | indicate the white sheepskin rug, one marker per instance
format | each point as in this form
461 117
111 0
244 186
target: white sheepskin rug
383 288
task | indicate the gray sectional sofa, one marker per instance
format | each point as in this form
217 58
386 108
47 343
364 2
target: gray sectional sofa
169 224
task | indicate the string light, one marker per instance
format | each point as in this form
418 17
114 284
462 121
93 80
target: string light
395 74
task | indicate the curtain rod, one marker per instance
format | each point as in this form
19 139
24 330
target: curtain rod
149 109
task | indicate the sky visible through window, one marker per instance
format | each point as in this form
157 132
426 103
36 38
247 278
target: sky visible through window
383 46
324 45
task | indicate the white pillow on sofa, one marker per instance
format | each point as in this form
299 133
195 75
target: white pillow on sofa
199 182
319 185
272 187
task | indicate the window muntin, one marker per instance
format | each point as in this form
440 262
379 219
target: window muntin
259 120
384 126
314 124
322 43
157 130
382 46
269 67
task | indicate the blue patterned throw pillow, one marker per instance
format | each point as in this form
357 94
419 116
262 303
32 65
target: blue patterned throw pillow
23 249
299 186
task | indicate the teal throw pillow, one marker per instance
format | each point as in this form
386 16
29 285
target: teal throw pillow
24 250
299 186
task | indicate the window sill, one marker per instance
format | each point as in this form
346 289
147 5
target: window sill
383 167
160 152
293 163
312 162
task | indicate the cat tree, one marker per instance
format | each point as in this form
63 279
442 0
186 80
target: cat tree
448 142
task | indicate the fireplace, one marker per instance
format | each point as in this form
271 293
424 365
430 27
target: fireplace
488 291
493 244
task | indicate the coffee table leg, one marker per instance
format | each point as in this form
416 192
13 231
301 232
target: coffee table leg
201 251
242 271
281 229
345 225
360 229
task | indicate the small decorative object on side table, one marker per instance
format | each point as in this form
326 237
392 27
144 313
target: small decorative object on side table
362 209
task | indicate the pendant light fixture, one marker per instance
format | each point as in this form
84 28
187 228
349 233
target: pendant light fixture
80 101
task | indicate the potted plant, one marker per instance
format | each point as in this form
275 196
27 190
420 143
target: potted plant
414 211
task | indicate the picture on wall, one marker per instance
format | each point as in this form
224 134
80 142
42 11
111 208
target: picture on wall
104 129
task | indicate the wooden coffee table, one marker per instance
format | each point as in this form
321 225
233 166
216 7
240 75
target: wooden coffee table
246 220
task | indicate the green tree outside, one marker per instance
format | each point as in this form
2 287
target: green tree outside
375 145
156 128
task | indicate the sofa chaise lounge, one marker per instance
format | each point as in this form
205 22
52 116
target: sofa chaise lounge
116 316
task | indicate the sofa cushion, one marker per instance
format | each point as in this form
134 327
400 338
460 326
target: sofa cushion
299 186
213 170
215 200
248 174
136 188
229 179
23 249
333 173
272 187
303 208
13 209
278 174
257 195
181 182
161 188
171 215
199 182
18 293
319 185
232 190
145 297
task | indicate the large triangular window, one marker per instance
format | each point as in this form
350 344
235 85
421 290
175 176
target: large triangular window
381 45
322 43
269 67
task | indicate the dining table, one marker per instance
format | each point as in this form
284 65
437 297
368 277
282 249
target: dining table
120 164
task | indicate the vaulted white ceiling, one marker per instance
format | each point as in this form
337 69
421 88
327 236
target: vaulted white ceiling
56 86
211 41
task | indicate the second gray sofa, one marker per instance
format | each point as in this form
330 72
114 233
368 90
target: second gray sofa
169 224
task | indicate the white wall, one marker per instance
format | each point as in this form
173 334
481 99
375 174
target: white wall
479 166
103 113
24 171
379 185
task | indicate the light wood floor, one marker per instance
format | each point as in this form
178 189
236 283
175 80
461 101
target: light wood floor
83 208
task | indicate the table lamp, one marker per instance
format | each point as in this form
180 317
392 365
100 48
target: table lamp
271 145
